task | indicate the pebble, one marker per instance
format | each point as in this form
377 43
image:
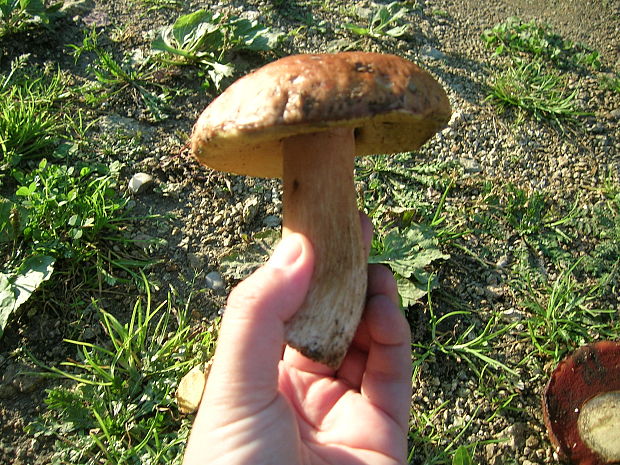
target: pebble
432 53
139 182
470 165
515 435
18 378
215 281
532 441
272 221
7 391
250 209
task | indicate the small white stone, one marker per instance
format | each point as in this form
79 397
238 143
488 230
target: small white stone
215 281
139 182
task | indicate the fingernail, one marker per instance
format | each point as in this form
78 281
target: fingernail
287 252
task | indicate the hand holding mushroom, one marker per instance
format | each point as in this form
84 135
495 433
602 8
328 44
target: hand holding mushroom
305 118
263 406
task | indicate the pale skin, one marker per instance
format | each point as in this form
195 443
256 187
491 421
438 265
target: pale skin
266 404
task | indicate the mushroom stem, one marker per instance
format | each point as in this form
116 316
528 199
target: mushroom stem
319 202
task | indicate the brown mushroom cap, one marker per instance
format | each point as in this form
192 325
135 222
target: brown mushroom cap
393 105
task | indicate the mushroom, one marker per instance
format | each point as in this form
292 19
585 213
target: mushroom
581 405
304 118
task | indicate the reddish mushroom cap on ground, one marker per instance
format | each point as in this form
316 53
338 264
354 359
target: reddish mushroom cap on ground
581 405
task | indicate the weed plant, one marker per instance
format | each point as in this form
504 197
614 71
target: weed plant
603 226
57 220
67 209
562 316
126 78
120 407
30 127
532 82
515 36
387 21
17 15
538 91
471 345
611 82
209 40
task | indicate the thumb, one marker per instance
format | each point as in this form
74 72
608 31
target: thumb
252 333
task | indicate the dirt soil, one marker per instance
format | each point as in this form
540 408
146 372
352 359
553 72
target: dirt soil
213 212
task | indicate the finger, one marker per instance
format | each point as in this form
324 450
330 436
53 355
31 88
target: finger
352 369
387 380
381 282
252 332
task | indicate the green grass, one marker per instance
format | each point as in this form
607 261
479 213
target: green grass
533 89
131 77
515 36
563 316
471 344
30 126
61 218
62 221
533 80
120 407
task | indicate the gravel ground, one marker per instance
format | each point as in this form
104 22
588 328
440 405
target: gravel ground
214 211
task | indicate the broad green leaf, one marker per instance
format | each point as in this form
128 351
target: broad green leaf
17 289
409 291
380 16
218 72
397 31
7 301
34 8
408 253
249 35
186 25
32 273
161 44
23 192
